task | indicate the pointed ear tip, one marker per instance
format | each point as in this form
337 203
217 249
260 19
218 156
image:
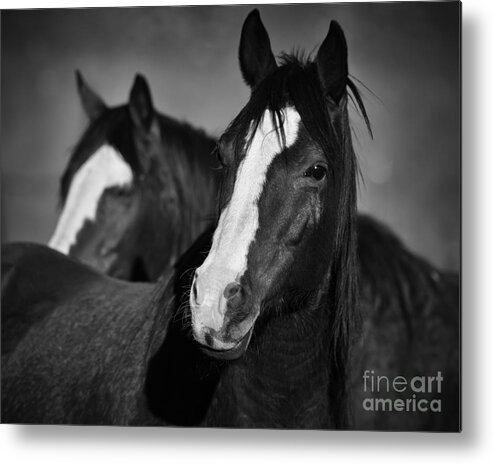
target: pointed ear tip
253 16
140 80
335 27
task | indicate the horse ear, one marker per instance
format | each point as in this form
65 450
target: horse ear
140 104
256 58
332 63
91 102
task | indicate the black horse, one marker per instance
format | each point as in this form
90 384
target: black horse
137 190
297 309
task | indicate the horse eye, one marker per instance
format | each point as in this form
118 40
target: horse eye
317 172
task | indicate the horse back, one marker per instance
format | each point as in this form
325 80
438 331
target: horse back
74 343
35 279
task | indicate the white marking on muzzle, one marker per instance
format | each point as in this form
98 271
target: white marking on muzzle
104 169
238 223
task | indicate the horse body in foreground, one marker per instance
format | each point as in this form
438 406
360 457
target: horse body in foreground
138 189
271 319
83 348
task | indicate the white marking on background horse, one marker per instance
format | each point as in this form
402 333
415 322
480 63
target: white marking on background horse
239 221
104 169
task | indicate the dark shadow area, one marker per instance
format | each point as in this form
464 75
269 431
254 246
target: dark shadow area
181 380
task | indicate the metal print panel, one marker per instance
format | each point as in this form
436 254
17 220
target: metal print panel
231 216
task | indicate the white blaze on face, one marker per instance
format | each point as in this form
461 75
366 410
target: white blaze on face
104 169
238 224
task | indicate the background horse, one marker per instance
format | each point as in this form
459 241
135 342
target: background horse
278 291
137 190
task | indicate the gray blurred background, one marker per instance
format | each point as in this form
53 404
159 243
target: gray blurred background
408 54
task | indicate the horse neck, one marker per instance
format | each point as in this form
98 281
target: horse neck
192 179
179 200
283 378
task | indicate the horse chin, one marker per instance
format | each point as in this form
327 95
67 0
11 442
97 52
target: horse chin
229 354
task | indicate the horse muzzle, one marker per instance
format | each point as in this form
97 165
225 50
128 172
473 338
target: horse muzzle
222 319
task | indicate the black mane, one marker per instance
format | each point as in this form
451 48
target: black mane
114 127
295 82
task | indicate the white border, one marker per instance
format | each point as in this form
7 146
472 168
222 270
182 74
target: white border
76 445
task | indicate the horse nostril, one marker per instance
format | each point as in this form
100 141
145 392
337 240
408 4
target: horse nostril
234 293
194 291
231 290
